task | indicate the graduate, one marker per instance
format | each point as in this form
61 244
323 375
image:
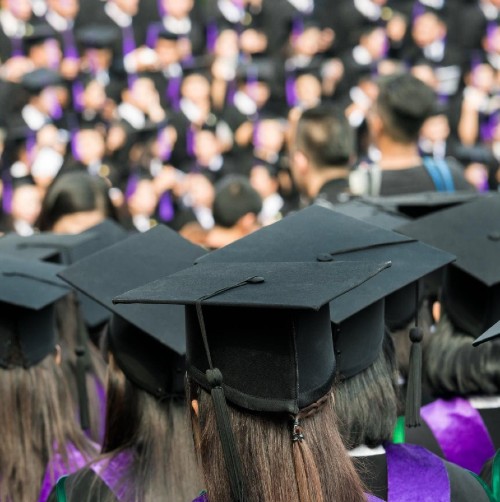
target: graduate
41 440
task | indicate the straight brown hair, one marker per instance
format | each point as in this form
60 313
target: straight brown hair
36 421
320 472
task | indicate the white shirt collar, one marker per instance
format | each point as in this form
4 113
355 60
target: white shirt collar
132 115
365 451
177 26
122 19
12 26
58 22
368 9
34 118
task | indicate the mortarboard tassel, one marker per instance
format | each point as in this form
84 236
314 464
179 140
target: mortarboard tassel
414 384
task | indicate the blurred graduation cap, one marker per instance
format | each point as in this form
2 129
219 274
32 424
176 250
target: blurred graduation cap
38 80
420 204
258 70
374 214
28 291
66 249
37 34
471 291
97 36
165 34
258 334
146 340
317 234
490 334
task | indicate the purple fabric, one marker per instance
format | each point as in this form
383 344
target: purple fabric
460 432
57 468
173 92
166 207
152 35
113 472
212 34
190 141
128 40
101 396
131 187
414 474
291 99
70 50
77 90
17 46
161 9
164 146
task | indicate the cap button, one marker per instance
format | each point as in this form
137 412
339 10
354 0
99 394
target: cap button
324 257
494 236
255 280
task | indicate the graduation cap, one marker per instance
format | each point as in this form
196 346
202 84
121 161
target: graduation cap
66 249
317 234
374 214
38 80
417 205
148 341
490 334
259 70
258 334
471 290
28 292
97 36
165 34
37 34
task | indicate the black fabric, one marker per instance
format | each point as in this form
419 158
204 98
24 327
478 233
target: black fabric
423 436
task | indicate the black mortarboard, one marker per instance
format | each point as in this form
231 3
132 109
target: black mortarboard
28 291
168 35
490 334
420 204
67 249
249 327
372 213
319 234
259 70
37 34
37 80
97 36
135 330
258 334
471 291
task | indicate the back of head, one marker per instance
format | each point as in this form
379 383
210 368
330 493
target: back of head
76 192
403 103
325 137
234 199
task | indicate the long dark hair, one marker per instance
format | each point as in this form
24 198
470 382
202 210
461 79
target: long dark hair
264 442
36 421
75 192
453 367
156 435
367 403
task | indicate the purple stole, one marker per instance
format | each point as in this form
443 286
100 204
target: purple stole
460 432
57 468
414 474
114 471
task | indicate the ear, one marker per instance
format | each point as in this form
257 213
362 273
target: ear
58 354
300 163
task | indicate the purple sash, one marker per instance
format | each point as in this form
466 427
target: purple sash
113 471
460 432
57 468
414 474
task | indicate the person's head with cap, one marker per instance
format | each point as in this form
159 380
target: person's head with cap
196 83
261 363
358 318
401 107
42 47
37 418
75 202
307 87
167 48
322 148
96 43
146 409
235 210
470 297
42 85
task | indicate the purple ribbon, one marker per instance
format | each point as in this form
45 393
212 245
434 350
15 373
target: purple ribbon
212 34
162 10
460 432
8 192
164 146
173 92
113 472
70 51
152 35
77 91
132 183
17 46
57 468
291 98
166 207
414 474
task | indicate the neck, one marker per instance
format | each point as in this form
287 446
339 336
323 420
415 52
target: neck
394 155
322 176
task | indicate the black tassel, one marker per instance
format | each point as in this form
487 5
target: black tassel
414 383
81 383
231 457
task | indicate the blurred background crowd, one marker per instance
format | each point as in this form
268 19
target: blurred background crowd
180 111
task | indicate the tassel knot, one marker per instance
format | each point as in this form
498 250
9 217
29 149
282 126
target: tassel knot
214 377
416 334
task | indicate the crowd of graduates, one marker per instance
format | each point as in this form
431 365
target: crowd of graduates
249 250
166 100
